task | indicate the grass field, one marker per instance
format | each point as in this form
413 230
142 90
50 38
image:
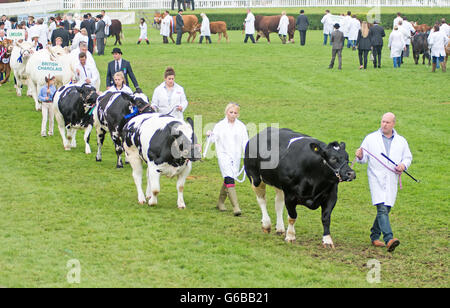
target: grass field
56 205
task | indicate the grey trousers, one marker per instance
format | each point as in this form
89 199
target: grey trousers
101 46
333 57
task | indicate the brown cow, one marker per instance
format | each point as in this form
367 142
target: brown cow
6 45
116 30
264 25
216 27
424 28
447 51
190 24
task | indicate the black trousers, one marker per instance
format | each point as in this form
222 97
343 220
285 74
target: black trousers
179 36
251 37
165 40
179 4
208 39
377 55
363 53
302 37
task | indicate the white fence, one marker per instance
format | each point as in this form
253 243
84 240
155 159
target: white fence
45 6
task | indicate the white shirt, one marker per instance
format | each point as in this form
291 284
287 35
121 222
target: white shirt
250 24
396 20
230 139
166 24
396 43
346 25
445 28
166 102
327 23
77 39
383 182
283 25
86 72
205 30
355 25
125 89
437 41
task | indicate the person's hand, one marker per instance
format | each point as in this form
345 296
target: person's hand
179 108
47 98
48 90
400 168
87 80
208 133
359 153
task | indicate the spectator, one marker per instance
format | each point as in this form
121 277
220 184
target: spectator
179 26
364 44
61 33
337 41
90 28
100 35
179 4
376 34
302 26
122 65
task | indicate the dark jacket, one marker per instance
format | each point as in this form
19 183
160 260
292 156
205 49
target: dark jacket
179 22
100 30
62 33
337 39
90 27
302 22
69 26
376 34
125 68
364 43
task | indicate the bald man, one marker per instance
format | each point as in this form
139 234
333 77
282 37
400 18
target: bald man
382 181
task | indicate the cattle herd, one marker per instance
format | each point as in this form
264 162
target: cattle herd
306 171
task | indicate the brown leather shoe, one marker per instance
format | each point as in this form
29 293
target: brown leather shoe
378 243
392 244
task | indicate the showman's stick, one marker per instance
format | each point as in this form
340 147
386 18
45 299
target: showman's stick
385 156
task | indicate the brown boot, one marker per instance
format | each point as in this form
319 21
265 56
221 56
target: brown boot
392 244
433 67
234 201
378 243
222 197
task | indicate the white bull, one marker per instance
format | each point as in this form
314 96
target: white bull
19 57
37 70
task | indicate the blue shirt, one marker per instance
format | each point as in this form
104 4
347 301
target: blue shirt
43 94
387 142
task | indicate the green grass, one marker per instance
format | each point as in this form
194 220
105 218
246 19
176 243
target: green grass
57 205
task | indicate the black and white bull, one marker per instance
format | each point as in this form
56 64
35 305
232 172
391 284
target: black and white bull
303 171
167 145
73 106
113 111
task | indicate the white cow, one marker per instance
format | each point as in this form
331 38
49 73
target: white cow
19 57
37 70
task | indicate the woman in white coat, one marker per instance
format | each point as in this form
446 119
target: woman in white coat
231 137
143 34
169 98
205 31
249 25
437 41
283 27
397 45
383 181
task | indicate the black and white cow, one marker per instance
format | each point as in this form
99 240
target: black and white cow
73 106
113 111
167 145
303 171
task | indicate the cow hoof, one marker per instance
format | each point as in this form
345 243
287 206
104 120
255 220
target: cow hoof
267 229
67 148
182 207
141 202
290 241
119 166
97 159
328 246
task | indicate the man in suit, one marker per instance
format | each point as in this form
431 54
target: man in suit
62 33
88 26
179 4
69 25
119 65
100 35
376 33
337 42
180 25
302 25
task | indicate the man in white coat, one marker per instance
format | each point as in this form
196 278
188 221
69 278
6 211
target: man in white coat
397 45
166 24
327 22
283 27
437 41
249 25
205 31
383 181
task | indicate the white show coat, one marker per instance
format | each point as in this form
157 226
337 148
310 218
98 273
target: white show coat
166 23
166 103
346 25
77 39
107 21
353 31
383 183
437 41
143 28
396 20
205 30
396 43
125 89
250 24
445 28
230 140
404 30
283 25
327 24
88 72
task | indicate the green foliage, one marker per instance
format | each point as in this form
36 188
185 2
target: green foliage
58 205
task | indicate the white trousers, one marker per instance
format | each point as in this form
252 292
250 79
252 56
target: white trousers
47 114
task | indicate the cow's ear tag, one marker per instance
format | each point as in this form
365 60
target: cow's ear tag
316 149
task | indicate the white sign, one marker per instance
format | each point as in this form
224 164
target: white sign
16 34
336 19
50 67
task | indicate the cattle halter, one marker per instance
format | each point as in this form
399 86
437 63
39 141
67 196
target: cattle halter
337 170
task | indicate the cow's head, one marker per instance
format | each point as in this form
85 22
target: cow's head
88 95
157 18
140 100
335 158
26 50
185 144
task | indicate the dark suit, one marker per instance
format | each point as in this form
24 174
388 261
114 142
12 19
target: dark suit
125 68
302 25
69 27
62 33
90 30
180 25
100 37
179 4
376 34
337 42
